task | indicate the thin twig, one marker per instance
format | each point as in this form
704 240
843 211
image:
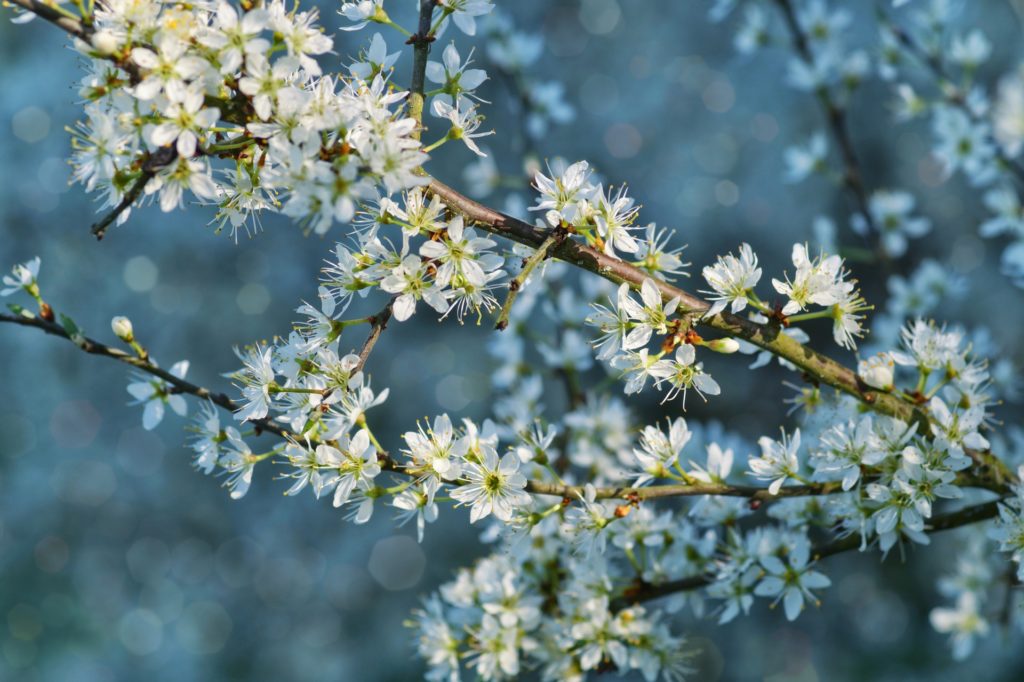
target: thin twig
180 385
151 163
99 229
555 237
378 323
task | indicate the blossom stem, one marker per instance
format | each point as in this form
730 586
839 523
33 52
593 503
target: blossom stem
431 147
274 388
755 301
361 421
922 380
401 29
235 143
816 315
437 24
935 389
683 476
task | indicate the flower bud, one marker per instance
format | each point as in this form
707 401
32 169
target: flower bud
877 371
122 327
105 42
723 345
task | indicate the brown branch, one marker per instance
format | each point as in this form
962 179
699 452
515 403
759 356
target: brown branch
44 11
378 323
683 490
768 337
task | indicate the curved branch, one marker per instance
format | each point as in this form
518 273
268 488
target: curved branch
47 12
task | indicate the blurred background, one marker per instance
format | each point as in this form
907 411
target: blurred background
119 562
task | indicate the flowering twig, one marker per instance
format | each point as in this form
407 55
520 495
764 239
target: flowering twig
96 348
769 337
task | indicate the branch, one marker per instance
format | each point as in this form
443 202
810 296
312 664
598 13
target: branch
378 323
420 42
574 492
96 348
769 337
834 115
645 591
754 493
515 285
55 17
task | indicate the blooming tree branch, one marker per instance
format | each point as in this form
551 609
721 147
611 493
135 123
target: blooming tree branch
231 106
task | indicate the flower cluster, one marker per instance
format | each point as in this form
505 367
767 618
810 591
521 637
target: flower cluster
170 92
627 328
820 281
451 269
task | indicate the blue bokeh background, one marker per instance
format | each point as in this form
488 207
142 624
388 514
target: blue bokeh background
119 562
